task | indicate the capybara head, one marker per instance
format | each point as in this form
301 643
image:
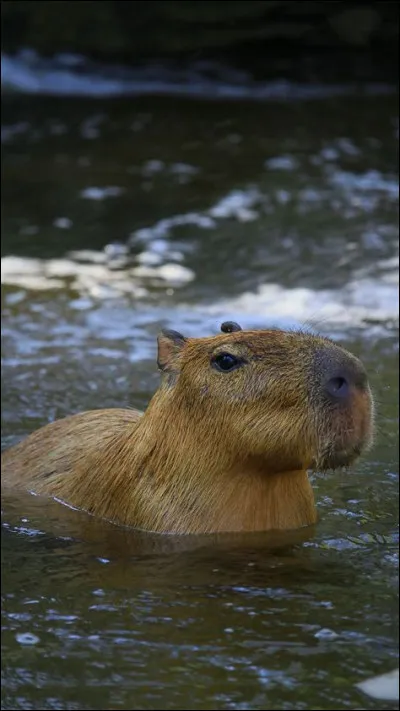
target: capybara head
293 399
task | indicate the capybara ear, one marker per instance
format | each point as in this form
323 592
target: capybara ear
170 343
230 327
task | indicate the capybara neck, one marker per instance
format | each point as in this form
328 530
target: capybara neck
225 443
185 481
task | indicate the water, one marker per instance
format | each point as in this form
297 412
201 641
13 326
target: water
120 217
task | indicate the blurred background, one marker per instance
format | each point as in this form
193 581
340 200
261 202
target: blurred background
177 164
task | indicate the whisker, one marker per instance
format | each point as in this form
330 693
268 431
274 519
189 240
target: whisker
315 322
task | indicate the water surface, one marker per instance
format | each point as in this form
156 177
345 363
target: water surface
118 218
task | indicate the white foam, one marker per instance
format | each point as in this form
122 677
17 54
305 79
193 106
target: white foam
95 278
370 181
174 274
156 234
360 302
94 193
363 302
237 204
384 687
282 163
358 191
26 72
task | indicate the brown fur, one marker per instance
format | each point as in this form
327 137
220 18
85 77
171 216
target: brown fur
214 451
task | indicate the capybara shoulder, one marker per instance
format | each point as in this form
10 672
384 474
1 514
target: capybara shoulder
57 449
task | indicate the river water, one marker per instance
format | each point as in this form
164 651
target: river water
121 216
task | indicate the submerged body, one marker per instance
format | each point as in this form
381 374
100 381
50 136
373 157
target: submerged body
224 445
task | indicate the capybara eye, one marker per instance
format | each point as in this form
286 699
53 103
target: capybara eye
226 362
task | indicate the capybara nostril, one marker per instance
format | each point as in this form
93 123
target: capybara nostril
339 374
338 387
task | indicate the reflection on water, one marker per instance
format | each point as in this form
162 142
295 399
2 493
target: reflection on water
121 218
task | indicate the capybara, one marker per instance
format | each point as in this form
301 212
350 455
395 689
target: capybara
225 444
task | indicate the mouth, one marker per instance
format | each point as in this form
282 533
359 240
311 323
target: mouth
341 458
344 450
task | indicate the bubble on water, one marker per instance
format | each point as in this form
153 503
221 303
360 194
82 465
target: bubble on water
151 167
347 146
149 259
238 204
95 193
183 169
282 163
63 223
27 638
329 154
282 196
326 633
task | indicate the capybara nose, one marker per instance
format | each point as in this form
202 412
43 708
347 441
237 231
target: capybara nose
340 374
338 387
343 381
